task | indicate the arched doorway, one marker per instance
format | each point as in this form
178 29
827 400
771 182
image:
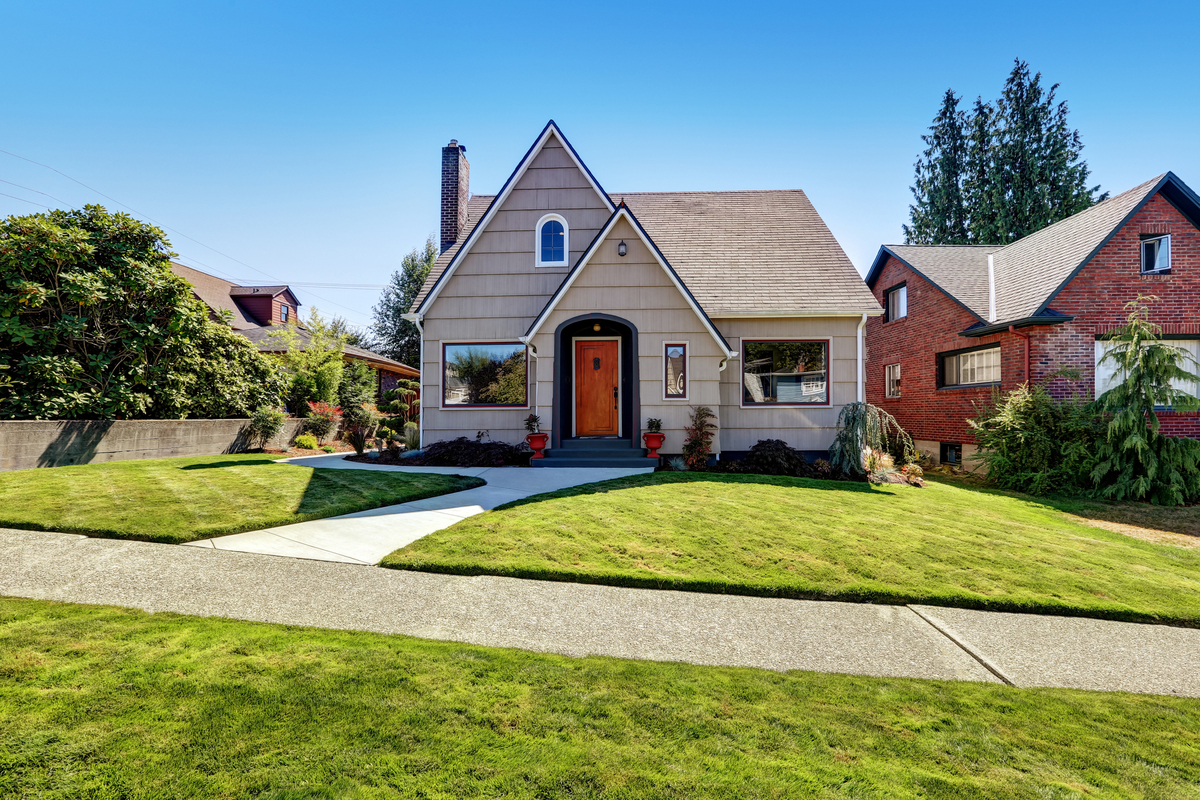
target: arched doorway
596 380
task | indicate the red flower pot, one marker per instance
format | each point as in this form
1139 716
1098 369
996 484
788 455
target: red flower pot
653 441
537 441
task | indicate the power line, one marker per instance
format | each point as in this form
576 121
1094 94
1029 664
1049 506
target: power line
23 200
35 191
156 222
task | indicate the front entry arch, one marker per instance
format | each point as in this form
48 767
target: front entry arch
592 411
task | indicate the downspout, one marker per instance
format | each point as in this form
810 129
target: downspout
861 390
533 352
1013 330
416 319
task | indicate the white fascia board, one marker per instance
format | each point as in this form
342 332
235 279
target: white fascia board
623 213
550 130
832 312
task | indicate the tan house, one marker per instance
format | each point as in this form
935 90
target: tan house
598 311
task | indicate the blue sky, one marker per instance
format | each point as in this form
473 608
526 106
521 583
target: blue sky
303 142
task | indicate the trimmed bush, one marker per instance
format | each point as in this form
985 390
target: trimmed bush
306 441
464 452
412 436
265 425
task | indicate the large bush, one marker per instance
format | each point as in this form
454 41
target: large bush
1031 442
313 362
95 325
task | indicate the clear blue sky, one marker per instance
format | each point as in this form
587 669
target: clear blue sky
304 139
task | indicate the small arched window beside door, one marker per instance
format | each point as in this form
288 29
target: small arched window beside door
553 241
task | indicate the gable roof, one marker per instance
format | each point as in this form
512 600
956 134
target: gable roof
430 291
215 293
959 271
753 252
1030 272
623 212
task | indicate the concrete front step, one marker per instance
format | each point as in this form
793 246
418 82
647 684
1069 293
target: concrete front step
597 444
594 463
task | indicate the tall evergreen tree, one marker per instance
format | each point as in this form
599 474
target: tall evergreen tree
938 213
1020 168
394 336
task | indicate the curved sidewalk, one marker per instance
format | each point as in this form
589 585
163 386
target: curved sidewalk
365 537
577 620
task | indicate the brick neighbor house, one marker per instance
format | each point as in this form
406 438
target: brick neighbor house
963 321
255 311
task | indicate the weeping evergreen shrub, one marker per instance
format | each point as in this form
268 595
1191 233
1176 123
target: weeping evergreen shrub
862 426
1031 442
1134 461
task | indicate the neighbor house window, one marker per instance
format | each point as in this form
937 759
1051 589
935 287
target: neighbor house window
893 380
675 371
283 313
785 373
971 368
1156 254
484 374
895 303
553 241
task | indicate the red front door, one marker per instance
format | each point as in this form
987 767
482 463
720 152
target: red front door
596 381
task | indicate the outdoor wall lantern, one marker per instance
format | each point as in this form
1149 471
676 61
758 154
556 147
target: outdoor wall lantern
621 249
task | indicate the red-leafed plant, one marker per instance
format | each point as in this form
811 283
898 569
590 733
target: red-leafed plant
697 446
322 418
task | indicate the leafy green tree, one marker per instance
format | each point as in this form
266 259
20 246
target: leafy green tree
314 362
357 385
1003 171
95 325
939 210
394 336
355 336
1134 460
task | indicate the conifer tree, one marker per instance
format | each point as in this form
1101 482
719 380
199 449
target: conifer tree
1016 164
939 215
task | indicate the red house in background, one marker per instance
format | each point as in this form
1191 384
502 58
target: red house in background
961 321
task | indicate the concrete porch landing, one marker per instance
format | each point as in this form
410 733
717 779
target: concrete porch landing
367 536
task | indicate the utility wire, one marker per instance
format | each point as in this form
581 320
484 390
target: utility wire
23 200
35 191
151 219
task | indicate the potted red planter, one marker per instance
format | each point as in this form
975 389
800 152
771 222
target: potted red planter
653 437
535 438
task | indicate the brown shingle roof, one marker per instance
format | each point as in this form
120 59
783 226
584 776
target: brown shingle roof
959 270
738 251
262 339
215 293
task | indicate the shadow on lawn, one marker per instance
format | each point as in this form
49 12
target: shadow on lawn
663 478
222 464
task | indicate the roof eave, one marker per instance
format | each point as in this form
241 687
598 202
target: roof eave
1024 322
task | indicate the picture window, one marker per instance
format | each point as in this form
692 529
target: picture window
484 374
972 368
783 373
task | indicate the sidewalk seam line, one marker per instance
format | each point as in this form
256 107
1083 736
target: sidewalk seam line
303 544
966 648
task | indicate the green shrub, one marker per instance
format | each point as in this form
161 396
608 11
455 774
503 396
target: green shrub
1133 460
412 436
329 449
322 418
357 385
864 427
306 441
697 446
1031 442
265 425
361 422
402 400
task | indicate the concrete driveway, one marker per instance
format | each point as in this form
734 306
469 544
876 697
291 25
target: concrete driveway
367 536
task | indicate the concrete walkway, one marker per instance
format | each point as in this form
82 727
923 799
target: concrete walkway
367 536
577 620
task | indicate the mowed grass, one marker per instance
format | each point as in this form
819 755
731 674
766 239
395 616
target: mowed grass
183 499
944 544
106 702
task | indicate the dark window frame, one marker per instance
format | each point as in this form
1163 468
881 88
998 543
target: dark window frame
887 301
1154 237
941 367
945 450
827 342
456 406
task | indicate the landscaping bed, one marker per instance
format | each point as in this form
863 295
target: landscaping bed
946 544
107 702
184 499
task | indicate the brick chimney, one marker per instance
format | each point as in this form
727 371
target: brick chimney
455 191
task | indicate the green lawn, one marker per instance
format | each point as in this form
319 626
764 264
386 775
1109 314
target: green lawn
945 544
103 702
184 499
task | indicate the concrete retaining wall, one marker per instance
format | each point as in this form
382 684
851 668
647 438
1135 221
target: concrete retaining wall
25 444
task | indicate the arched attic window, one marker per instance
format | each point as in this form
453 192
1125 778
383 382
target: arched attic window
553 241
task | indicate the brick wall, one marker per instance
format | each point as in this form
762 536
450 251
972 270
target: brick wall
931 327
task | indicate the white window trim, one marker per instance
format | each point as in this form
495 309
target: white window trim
442 376
687 372
575 387
537 242
887 379
828 373
887 299
998 348
1142 254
